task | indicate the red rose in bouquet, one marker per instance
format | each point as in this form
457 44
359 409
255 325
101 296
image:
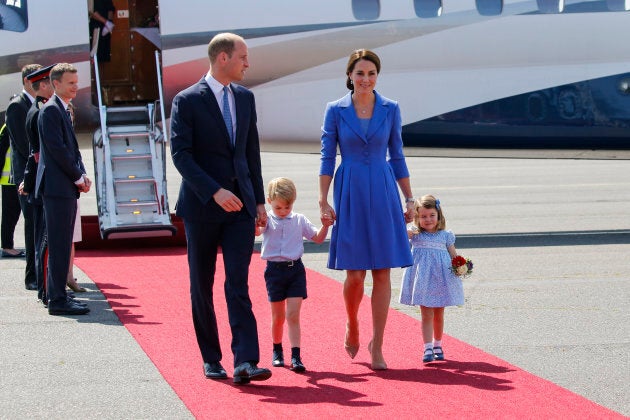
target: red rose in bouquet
461 267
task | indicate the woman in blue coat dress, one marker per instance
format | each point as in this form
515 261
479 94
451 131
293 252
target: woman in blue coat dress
370 224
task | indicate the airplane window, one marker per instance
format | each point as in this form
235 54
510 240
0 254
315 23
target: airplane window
550 6
489 7
428 8
13 15
618 5
366 9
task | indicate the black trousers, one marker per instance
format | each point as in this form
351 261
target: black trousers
29 239
40 245
10 215
60 213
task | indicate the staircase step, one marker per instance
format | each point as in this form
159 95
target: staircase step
126 115
134 180
128 135
139 230
131 157
137 204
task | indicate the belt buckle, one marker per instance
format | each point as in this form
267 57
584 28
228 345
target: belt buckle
290 263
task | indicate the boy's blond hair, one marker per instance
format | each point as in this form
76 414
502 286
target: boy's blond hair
283 189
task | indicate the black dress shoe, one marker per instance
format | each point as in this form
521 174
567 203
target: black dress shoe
31 286
69 308
76 301
246 372
278 359
214 370
297 365
19 254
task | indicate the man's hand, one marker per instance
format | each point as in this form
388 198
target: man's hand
21 189
228 201
84 187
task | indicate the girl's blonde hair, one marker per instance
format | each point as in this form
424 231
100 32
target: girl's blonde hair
429 202
283 189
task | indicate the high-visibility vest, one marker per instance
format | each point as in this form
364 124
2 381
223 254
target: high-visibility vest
6 168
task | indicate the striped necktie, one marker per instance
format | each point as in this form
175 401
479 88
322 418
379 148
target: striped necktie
227 115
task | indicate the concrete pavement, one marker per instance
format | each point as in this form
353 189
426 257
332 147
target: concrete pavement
549 233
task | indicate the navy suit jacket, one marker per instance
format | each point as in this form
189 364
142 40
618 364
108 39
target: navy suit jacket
16 124
204 156
60 163
32 133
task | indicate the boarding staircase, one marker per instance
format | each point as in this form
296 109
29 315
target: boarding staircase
130 169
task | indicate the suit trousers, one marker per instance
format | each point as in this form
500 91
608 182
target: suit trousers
29 239
10 215
39 227
59 213
235 237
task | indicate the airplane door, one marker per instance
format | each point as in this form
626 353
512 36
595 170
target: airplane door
130 76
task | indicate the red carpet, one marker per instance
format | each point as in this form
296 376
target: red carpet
148 290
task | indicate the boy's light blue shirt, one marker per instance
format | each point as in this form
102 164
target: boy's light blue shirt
282 239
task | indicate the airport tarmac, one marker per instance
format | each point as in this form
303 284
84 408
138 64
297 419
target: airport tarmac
548 231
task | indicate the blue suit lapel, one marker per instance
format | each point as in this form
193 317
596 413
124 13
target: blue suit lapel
378 115
70 130
211 102
242 111
349 115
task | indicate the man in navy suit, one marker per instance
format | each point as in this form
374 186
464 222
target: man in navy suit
60 179
215 147
16 124
42 87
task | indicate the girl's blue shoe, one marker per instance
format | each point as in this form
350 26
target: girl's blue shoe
428 356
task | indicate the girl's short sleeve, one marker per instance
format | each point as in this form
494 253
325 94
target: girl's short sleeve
450 238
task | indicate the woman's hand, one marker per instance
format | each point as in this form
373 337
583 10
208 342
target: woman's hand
410 212
327 214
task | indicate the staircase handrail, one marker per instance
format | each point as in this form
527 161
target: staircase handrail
161 93
101 111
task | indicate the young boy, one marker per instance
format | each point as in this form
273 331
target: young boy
285 276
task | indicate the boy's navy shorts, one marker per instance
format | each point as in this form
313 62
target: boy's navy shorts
285 279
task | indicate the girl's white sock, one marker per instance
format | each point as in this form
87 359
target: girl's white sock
428 346
437 343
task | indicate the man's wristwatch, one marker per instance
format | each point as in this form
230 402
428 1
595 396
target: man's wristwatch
409 200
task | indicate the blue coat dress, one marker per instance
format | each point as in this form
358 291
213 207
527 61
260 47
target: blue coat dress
370 231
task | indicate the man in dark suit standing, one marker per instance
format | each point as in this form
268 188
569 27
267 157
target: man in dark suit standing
16 123
60 179
215 147
43 89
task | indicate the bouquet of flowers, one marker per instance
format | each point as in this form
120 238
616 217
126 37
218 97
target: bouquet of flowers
461 267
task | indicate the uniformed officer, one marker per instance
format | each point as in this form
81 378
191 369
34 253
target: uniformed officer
40 81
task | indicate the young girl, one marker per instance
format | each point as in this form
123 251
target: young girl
429 282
